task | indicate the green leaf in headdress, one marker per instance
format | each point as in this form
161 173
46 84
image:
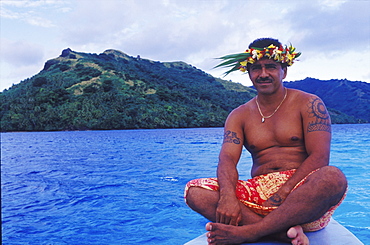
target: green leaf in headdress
232 60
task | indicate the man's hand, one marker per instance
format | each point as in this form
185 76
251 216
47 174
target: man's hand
273 201
228 211
277 199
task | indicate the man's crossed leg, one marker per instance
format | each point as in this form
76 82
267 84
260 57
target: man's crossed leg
320 192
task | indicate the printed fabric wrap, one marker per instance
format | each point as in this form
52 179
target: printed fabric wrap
254 192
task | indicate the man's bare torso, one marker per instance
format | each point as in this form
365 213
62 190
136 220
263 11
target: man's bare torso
278 143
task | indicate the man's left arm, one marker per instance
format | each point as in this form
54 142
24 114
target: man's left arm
317 138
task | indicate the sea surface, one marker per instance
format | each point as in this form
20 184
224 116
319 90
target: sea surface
126 187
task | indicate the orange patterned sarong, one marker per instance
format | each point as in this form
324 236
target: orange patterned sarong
254 192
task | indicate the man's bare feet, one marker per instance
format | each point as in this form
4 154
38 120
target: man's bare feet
297 235
227 234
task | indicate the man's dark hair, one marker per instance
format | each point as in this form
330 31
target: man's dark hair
263 43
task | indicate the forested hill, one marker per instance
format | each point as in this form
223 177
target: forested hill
78 91
112 90
351 98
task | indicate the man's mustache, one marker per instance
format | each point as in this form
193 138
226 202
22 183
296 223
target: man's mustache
259 80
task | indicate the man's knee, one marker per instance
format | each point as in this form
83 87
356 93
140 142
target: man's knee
332 180
189 195
193 195
202 201
335 176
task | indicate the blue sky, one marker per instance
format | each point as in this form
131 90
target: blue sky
333 35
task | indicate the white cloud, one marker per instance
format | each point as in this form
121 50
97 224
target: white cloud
197 31
36 13
20 53
346 28
331 4
31 3
37 21
5 13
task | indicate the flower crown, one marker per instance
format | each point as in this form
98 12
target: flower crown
240 61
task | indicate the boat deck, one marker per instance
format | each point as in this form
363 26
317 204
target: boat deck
333 234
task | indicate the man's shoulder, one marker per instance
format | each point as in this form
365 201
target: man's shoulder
301 95
240 112
244 107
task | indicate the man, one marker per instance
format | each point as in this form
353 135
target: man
288 134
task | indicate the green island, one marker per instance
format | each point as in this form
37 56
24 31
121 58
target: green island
112 90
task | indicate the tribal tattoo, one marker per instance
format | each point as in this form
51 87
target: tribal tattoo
276 200
320 116
230 137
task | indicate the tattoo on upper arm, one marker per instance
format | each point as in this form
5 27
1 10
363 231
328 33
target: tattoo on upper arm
231 137
320 116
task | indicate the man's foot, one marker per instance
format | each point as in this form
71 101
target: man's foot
297 235
227 234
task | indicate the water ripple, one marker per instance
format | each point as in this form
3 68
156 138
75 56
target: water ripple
108 187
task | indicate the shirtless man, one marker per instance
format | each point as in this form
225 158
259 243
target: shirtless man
288 134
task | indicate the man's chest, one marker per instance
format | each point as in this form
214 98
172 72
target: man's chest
280 132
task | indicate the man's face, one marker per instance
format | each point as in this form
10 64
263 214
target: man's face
267 75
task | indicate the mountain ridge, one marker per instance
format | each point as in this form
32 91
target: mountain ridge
112 90
350 97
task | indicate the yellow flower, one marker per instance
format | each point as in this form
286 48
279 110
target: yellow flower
242 69
259 55
243 63
251 60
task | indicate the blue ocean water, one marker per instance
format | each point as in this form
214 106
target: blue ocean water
126 187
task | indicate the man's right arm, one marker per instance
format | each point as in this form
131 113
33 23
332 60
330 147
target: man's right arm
228 209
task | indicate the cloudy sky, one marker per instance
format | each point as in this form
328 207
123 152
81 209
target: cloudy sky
333 35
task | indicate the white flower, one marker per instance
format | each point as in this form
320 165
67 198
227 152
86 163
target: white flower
255 54
275 51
